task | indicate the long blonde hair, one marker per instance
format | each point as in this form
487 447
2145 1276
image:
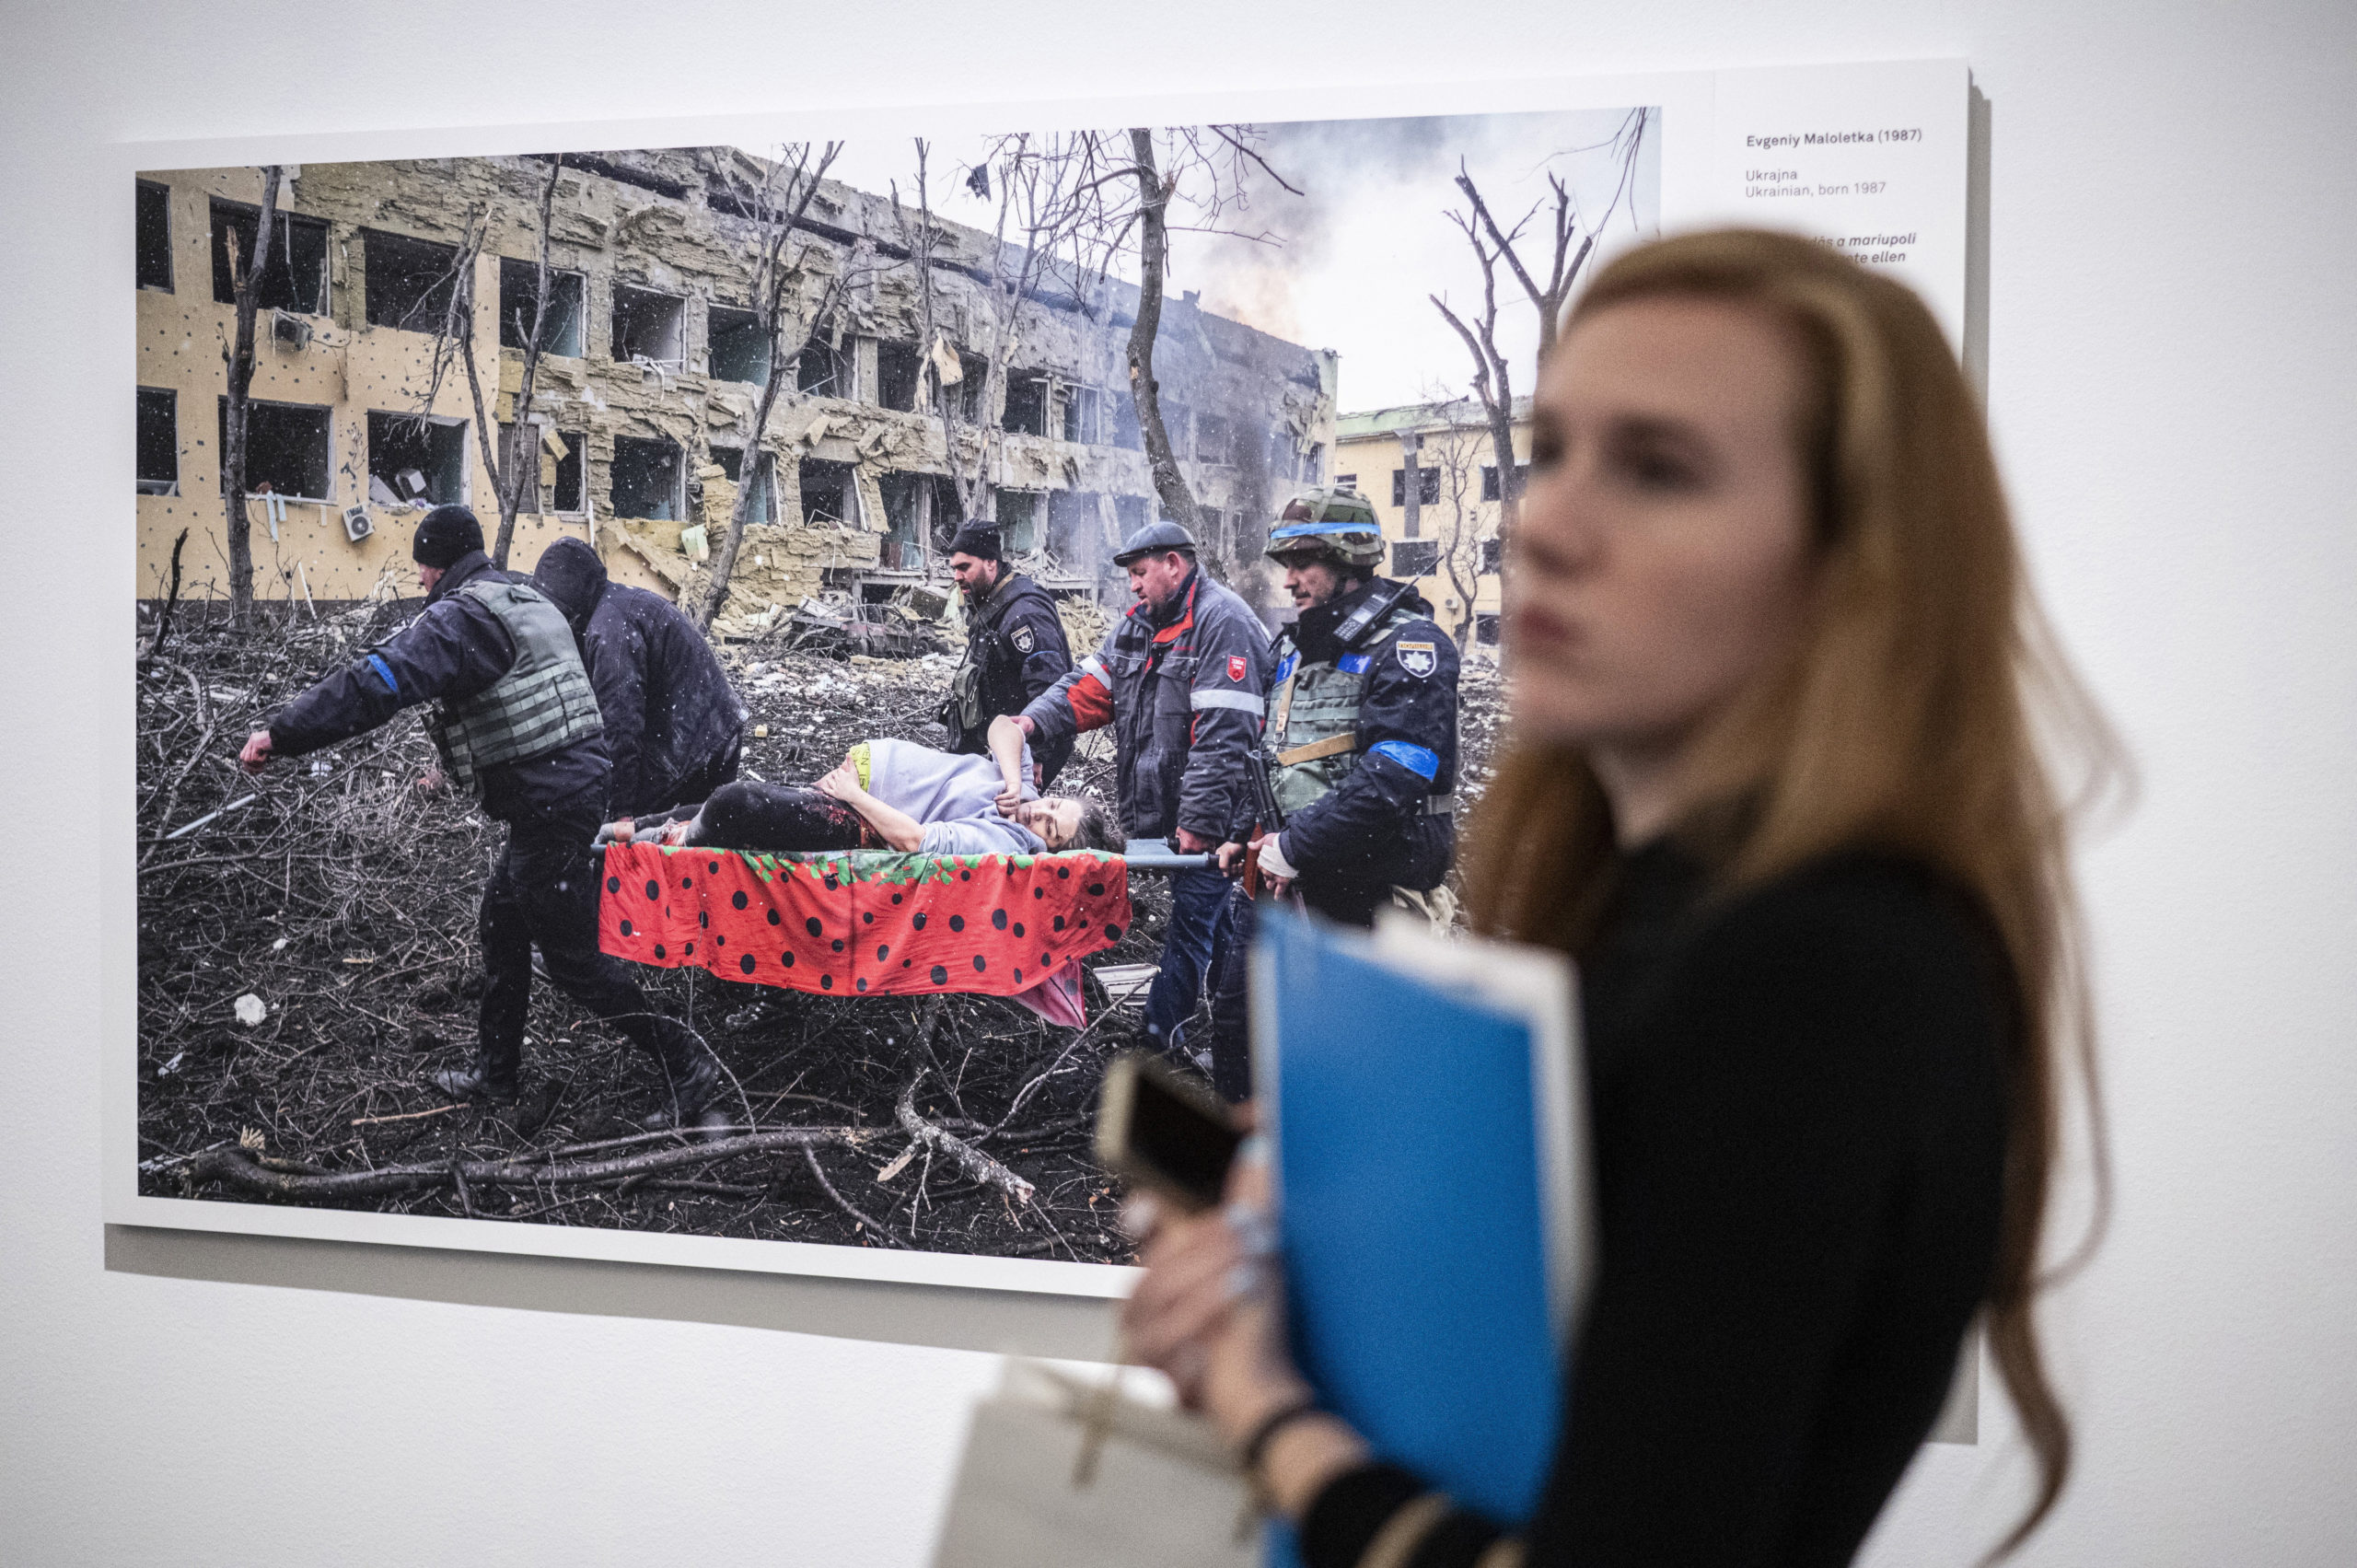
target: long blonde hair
1908 716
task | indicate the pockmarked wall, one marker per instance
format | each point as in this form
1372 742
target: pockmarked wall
2170 333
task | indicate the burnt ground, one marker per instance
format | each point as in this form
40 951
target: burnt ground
342 897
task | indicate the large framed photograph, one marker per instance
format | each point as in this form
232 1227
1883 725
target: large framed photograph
763 372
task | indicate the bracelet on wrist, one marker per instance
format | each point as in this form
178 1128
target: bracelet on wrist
1255 1447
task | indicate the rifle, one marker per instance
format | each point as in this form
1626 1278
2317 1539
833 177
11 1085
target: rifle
1267 817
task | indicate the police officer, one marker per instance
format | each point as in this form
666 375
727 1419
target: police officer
517 726
1181 678
1016 648
1361 744
674 726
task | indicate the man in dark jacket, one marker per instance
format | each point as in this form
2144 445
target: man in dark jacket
1179 677
674 726
1361 741
517 726
1016 648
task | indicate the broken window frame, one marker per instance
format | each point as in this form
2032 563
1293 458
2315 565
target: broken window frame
1214 440
1020 535
455 440
843 478
732 461
276 289
1345 481
834 374
1492 557
530 502
1427 481
624 448
323 468
1038 388
1407 553
624 294
568 308
1489 479
748 324
901 373
153 257
1485 629
164 404
429 307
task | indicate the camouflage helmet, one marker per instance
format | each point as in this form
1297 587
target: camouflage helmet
1337 522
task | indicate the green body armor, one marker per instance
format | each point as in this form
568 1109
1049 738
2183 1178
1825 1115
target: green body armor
543 703
1314 715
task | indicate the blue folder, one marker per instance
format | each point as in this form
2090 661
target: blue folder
1430 1168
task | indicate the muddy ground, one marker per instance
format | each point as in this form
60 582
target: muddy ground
341 899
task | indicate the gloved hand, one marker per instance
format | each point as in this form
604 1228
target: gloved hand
1274 863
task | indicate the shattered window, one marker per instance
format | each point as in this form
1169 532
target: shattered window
1084 416
1427 485
1314 464
286 448
822 370
1126 433
646 477
970 388
1018 521
827 491
898 376
904 515
1345 481
560 328
732 462
1485 629
552 477
1491 555
155 227
1415 557
408 282
416 460
739 349
1027 403
650 326
159 441
294 274
1214 443
1489 479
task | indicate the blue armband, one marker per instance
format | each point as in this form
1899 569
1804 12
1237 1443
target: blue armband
1417 760
385 673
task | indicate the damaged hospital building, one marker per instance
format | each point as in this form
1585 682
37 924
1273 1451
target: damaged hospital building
648 384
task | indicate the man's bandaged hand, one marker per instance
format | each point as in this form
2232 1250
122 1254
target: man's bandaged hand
1272 859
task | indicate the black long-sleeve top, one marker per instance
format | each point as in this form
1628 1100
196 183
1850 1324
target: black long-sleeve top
1798 1111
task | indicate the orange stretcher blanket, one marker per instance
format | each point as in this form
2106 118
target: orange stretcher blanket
869 922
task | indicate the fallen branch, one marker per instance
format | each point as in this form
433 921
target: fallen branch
404 1116
810 1155
977 1165
236 1167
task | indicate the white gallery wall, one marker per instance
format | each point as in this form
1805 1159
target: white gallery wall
2172 372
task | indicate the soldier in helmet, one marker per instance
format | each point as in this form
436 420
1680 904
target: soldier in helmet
1361 743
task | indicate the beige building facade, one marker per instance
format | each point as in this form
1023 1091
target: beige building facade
1442 525
649 382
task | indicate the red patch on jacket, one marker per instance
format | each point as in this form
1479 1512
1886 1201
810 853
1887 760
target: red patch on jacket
873 923
1236 666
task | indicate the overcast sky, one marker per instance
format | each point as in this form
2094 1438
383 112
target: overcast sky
1356 254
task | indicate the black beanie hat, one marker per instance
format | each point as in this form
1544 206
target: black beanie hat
977 539
447 533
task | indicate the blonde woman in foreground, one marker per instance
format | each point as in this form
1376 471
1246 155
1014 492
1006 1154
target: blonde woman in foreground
1772 783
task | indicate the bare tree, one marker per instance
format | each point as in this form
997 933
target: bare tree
513 458
1570 241
1460 541
778 203
245 276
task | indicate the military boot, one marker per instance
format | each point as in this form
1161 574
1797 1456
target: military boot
695 1084
484 1080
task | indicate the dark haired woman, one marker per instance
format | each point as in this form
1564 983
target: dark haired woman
1772 783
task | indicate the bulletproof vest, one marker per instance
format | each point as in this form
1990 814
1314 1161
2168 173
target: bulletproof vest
1314 711
542 704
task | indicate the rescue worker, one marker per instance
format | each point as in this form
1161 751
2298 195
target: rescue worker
517 724
675 727
1360 748
1016 648
1181 678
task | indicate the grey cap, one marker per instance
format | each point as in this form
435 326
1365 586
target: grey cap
1153 539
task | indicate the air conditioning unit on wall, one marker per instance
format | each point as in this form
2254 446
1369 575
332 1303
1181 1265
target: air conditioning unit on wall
357 525
291 331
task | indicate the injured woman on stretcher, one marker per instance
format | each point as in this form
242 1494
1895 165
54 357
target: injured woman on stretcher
889 795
